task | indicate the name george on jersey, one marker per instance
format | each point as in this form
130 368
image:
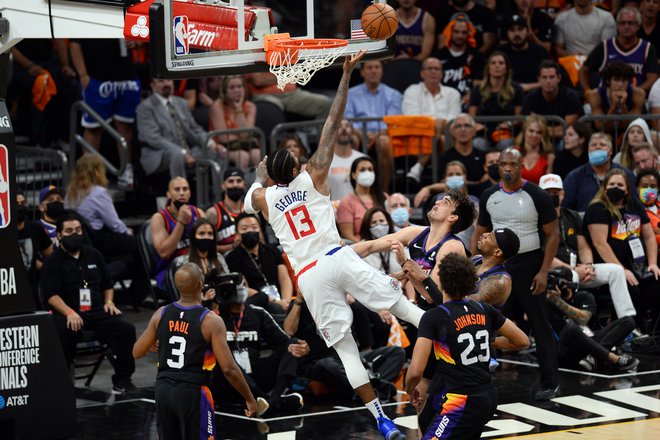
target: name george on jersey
289 199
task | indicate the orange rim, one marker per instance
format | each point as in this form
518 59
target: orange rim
295 45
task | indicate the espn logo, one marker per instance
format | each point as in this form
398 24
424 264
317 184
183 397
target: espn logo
5 213
180 27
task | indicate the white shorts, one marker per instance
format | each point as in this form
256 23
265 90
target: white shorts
325 286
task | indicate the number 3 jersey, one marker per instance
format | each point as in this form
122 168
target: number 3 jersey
461 332
183 353
303 220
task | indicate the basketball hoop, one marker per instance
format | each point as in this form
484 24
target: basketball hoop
296 61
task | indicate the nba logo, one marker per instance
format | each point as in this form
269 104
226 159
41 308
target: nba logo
5 216
181 35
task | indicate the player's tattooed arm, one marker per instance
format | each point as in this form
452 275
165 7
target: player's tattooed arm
580 316
493 290
322 158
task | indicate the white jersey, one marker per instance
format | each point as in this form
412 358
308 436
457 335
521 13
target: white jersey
303 220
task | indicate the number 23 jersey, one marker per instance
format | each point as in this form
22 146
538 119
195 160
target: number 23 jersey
461 332
303 220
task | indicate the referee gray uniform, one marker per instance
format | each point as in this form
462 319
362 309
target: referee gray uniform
525 211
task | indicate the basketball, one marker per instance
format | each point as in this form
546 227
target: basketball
379 21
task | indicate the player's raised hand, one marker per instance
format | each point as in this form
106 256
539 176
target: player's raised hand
261 174
352 60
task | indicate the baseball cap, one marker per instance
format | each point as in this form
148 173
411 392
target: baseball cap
50 189
507 241
232 172
516 19
551 181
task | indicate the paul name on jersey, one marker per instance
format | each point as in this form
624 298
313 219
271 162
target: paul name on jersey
295 196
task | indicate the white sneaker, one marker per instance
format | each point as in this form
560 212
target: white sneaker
126 178
415 172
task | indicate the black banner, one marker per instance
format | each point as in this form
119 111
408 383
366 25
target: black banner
15 292
36 392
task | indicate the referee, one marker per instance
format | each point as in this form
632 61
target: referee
527 210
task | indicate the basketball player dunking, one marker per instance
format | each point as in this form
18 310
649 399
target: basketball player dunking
298 208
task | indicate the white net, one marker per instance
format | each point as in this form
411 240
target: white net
309 62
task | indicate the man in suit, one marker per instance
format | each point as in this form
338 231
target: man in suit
171 138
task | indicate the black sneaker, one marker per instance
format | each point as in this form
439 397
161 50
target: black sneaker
291 402
588 363
123 387
544 394
626 363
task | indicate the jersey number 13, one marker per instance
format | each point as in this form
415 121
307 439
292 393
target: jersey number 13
300 222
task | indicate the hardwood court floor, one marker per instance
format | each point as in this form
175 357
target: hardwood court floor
596 406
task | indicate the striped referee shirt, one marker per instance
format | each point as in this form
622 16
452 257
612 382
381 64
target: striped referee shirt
524 211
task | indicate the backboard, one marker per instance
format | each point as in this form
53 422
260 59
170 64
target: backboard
198 38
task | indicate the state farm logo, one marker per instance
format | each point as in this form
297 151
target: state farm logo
5 213
140 28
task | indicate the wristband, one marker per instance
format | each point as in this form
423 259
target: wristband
109 302
247 203
433 290
182 223
68 313
298 303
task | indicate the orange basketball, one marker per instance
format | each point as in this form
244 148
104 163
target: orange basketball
379 21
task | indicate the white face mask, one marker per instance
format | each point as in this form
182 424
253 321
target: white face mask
378 231
366 178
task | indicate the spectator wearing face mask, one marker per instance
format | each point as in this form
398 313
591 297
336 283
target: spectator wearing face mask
398 207
78 288
33 243
223 214
366 194
51 206
647 189
269 284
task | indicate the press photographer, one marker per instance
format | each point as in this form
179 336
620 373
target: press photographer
571 313
269 284
249 329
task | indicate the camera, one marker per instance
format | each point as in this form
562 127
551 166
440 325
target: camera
562 278
228 286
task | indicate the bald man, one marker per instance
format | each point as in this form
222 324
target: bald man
190 340
170 227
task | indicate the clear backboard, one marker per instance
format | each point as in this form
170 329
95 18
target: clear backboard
197 38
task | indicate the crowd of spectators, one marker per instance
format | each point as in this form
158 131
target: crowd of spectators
591 188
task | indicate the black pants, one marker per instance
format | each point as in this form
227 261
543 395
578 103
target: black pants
279 366
385 362
184 411
117 331
645 297
523 268
574 344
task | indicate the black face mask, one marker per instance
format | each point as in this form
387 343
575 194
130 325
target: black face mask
250 239
21 214
235 194
494 171
72 243
204 244
55 210
615 194
555 200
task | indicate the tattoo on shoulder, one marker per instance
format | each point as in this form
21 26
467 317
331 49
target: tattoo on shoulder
493 290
